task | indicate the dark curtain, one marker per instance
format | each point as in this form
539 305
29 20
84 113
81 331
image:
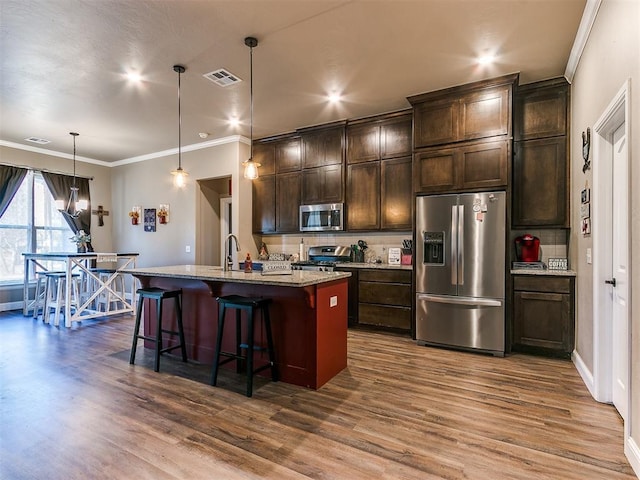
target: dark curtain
60 188
10 180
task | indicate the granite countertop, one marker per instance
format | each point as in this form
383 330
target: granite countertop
378 266
297 278
554 273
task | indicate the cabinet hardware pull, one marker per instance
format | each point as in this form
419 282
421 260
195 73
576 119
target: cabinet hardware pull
611 282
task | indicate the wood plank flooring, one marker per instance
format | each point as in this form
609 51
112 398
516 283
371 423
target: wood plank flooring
71 407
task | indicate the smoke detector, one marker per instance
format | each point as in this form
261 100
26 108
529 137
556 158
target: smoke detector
222 77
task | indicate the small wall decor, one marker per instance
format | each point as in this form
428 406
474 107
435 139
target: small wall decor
135 214
585 209
100 212
586 144
149 219
163 213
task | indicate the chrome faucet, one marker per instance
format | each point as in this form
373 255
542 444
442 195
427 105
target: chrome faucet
228 259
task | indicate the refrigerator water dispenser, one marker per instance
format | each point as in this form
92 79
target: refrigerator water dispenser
433 248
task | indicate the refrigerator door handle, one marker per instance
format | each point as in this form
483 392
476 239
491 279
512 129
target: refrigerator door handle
454 245
479 302
460 244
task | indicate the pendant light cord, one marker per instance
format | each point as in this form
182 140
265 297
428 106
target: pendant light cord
179 125
251 97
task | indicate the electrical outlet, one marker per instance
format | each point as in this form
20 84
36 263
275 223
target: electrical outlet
333 301
187 249
588 255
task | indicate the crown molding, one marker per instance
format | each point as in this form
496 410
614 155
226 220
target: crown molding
582 35
126 161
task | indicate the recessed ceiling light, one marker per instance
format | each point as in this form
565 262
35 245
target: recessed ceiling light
203 134
334 97
486 59
134 77
234 122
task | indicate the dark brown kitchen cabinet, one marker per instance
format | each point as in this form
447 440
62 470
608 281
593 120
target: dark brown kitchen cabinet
322 146
541 110
540 161
376 138
288 202
322 184
265 155
264 204
385 298
287 155
396 197
352 308
476 165
363 196
540 190
543 316
468 112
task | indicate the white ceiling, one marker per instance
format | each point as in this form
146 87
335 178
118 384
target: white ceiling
63 63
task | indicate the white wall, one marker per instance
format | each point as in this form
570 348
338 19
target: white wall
611 57
150 183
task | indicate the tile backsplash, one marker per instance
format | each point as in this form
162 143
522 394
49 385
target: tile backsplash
378 243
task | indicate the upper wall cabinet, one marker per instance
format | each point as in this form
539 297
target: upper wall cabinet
468 112
287 155
322 146
265 155
540 162
541 110
377 138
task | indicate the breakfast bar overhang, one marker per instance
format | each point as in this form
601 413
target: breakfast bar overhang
308 315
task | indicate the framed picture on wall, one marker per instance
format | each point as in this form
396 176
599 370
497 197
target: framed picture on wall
149 219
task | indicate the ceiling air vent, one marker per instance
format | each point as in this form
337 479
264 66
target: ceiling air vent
222 77
39 141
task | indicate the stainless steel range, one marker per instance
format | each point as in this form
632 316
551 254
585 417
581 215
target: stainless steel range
324 259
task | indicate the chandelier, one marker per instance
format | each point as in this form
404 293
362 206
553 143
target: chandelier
74 205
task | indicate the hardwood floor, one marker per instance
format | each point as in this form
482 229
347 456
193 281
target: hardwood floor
71 407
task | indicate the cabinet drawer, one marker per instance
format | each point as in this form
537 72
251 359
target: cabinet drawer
390 276
384 293
542 284
384 316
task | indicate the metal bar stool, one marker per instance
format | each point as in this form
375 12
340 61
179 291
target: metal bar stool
250 305
159 295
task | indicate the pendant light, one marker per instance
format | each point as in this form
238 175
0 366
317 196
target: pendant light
179 174
251 167
74 205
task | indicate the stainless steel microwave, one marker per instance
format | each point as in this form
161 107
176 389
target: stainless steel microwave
323 217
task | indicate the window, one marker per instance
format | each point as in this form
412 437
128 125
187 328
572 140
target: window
31 224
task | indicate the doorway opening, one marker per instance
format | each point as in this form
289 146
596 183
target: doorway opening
211 219
611 305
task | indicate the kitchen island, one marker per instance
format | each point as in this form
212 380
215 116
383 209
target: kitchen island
308 316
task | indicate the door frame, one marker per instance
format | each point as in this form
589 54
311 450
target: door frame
613 116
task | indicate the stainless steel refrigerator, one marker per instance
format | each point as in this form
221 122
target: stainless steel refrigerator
460 271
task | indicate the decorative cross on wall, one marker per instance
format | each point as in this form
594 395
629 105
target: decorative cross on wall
101 212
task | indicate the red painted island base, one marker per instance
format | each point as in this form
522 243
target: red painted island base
309 325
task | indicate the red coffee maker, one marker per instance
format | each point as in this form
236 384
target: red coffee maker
527 248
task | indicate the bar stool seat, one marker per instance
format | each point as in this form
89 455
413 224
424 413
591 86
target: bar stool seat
250 305
55 286
40 297
159 295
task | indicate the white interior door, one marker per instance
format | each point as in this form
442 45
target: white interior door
620 272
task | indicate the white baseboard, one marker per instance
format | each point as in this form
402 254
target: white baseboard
632 452
585 373
5 307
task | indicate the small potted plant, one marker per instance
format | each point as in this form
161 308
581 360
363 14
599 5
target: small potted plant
135 216
81 240
162 215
